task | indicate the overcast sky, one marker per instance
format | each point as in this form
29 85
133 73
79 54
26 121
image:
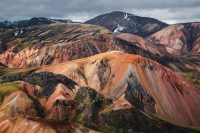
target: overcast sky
170 11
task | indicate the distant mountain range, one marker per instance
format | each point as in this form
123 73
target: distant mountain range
31 22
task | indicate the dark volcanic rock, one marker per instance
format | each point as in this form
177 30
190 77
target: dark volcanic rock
46 80
128 23
137 95
89 103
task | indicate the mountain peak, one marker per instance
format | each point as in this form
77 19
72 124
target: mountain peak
118 21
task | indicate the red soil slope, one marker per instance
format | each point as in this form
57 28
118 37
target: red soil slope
179 38
145 84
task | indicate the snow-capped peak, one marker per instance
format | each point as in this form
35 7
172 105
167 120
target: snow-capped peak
180 27
119 28
126 16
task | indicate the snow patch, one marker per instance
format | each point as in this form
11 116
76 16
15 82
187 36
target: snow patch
119 28
181 27
16 33
125 16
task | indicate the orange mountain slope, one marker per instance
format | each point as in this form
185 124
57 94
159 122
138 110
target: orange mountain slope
100 92
145 84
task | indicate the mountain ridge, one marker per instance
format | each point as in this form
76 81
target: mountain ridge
128 23
137 75
31 22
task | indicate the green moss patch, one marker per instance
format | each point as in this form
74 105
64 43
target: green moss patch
6 89
193 77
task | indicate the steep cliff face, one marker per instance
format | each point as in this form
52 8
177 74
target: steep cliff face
145 84
179 38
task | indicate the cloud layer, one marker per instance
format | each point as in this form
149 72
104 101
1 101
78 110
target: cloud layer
81 10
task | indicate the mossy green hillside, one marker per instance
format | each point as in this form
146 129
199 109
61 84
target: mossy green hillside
7 88
193 77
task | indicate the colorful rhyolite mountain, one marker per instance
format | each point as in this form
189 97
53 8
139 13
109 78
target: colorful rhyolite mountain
55 43
179 38
139 75
91 90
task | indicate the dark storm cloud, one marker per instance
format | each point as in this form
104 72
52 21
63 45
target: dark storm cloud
166 10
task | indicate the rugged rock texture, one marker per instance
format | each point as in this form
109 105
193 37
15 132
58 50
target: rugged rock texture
99 95
82 41
43 88
47 44
50 93
179 38
128 23
21 109
145 84
48 81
